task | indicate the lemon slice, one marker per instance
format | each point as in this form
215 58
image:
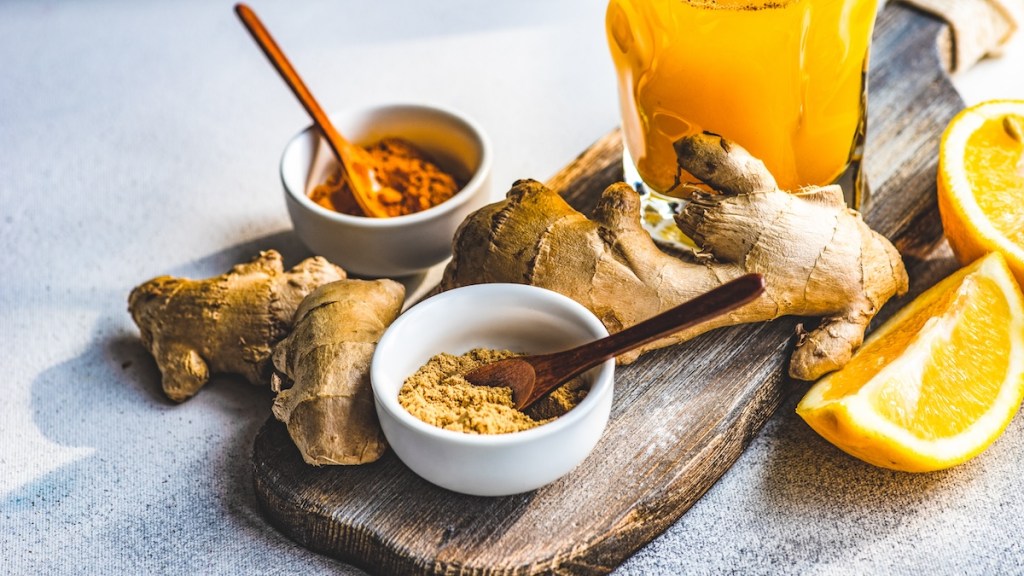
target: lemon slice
937 383
981 182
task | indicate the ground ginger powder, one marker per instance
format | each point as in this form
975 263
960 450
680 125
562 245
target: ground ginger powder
439 395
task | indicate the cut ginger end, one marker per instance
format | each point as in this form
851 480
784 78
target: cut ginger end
937 383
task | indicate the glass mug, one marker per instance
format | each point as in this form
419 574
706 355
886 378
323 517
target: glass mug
786 79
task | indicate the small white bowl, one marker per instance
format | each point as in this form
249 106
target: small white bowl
400 245
498 316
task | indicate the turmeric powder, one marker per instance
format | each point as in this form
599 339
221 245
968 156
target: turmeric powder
412 182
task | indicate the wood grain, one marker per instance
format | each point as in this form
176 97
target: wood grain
681 415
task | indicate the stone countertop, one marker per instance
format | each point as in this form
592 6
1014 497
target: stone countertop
139 139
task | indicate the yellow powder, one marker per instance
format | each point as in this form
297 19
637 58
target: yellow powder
439 395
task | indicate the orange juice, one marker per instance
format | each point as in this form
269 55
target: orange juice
784 78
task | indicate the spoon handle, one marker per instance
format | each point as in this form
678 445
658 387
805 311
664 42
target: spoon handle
345 151
569 363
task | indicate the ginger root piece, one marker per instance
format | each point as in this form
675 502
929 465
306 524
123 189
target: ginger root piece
226 324
817 256
322 371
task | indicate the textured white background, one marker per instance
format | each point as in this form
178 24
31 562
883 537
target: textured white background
139 139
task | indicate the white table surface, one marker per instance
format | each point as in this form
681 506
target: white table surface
142 138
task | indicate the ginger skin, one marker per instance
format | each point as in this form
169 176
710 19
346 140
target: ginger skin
322 371
817 256
227 324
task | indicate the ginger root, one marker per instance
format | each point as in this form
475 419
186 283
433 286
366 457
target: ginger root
322 371
226 324
818 257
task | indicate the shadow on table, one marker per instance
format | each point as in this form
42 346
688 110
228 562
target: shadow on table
285 242
168 486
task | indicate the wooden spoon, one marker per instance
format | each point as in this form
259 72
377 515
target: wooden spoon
533 377
355 162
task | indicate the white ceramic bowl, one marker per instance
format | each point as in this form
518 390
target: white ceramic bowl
400 245
499 316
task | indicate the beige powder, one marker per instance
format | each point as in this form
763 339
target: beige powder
439 395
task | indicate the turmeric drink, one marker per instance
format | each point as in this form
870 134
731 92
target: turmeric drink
784 78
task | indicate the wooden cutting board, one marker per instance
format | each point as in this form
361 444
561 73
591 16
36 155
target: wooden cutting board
681 415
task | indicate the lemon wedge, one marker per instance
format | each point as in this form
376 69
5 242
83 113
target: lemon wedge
937 383
981 182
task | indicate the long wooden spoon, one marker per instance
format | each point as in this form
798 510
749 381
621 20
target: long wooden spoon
355 162
533 377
